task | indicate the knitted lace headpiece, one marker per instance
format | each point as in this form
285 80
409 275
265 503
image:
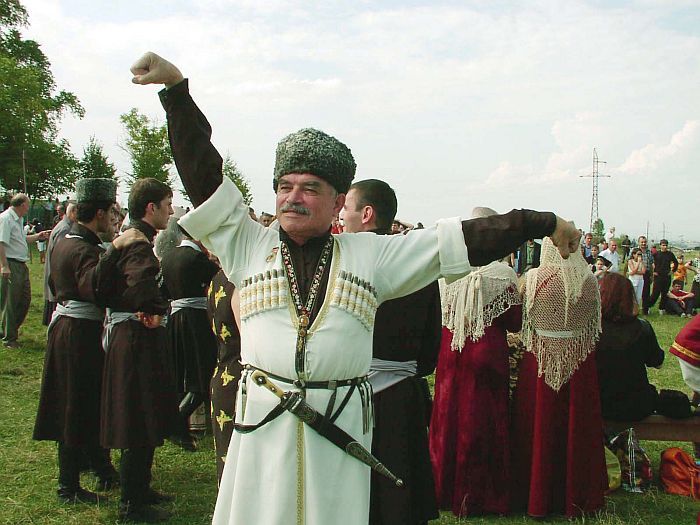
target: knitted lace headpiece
561 314
470 304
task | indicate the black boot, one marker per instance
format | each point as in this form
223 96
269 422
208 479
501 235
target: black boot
72 495
140 513
69 489
153 497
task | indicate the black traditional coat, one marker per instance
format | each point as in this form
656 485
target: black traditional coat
139 407
405 329
69 402
187 272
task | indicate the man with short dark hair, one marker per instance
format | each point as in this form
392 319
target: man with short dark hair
139 408
15 288
308 305
665 264
405 348
587 244
81 283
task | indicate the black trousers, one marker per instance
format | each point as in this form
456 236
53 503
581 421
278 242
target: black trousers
662 283
674 307
135 474
646 291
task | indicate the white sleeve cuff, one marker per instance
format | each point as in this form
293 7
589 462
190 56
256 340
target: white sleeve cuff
216 211
454 257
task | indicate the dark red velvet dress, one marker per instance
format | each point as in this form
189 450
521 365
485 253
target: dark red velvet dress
469 435
558 461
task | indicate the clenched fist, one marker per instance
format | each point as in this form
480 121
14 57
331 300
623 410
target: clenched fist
566 237
153 69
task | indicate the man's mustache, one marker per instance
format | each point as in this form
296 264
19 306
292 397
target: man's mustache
295 208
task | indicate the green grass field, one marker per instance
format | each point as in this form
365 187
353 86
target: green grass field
28 468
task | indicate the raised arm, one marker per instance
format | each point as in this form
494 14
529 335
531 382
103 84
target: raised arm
196 159
494 237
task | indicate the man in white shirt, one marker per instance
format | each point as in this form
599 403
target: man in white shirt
612 255
15 291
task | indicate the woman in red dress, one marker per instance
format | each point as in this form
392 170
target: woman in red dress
558 462
469 437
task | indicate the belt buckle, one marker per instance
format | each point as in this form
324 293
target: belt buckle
300 383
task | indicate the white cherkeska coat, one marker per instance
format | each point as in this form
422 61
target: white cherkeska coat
285 473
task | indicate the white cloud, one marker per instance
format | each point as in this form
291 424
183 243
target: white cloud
648 159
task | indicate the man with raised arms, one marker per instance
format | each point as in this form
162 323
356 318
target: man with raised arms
308 301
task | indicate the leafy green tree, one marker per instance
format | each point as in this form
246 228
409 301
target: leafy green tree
95 163
598 230
30 112
147 144
230 170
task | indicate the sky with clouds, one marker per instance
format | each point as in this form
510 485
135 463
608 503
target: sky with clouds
455 104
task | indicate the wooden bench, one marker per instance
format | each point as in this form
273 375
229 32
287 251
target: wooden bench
660 428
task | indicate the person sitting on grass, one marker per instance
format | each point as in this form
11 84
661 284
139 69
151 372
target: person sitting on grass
680 302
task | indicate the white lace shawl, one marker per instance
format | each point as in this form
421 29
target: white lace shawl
470 304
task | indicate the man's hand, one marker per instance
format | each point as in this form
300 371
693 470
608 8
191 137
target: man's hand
5 272
152 69
43 235
566 237
149 320
129 237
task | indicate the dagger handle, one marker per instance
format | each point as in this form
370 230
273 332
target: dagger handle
261 379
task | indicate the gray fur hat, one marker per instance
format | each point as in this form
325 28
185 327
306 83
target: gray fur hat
88 189
312 151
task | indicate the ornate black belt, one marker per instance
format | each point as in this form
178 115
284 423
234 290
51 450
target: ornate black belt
361 383
305 385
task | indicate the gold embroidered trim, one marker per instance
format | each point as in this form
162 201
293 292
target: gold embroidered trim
685 351
300 473
332 276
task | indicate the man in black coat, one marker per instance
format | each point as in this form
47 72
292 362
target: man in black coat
81 281
405 348
138 396
665 265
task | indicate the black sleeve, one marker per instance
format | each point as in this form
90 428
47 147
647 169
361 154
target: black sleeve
140 267
196 158
207 267
653 353
104 275
491 238
674 261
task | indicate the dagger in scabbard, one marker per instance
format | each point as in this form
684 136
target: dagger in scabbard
294 402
